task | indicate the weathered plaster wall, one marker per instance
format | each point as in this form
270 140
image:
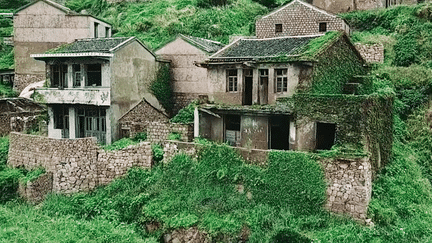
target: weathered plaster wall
133 68
76 164
371 53
41 27
254 132
297 19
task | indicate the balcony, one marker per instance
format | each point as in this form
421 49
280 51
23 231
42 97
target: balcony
85 96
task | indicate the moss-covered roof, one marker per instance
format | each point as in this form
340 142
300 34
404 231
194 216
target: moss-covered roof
203 44
300 48
104 45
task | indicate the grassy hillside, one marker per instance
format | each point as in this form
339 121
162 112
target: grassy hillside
203 191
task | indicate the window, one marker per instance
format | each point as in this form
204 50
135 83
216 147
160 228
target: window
61 117
232 80
325 135
263 76
281 80
232 129
76 75
322 27
58 76
96 29
278 28
94 75
107 32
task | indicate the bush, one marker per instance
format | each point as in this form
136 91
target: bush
406 50
211 3
120 144
4 150
174 136
185 115
157 152
140 137
161 88
288 235
9 183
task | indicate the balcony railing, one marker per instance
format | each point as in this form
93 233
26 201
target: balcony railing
86 96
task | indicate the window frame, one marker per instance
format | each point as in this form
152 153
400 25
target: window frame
89 72
281 80
322 27
77 72
278 28
232 80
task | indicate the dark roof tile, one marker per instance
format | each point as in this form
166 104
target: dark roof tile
90 45
203 44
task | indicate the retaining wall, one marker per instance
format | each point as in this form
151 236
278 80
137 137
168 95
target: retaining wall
371 52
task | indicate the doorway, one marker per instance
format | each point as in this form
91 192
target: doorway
325 135
279 132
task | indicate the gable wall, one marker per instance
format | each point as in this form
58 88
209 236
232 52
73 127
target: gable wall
297 19
189 81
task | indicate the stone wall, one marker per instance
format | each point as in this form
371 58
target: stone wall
159 131
23 80
35 191
76 164
181 100
349 186
371 52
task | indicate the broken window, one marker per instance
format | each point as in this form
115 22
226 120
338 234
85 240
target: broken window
323 27
278 28
76 75
281 78
107 32
96 30
94 75
325 135
232 129
232 80
58 76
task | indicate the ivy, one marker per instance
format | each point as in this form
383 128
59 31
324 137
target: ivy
161 88
186 115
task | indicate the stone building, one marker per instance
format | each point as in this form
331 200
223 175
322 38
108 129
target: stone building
342 6
298 18
43 25
18 114
248 78
93 82
189 81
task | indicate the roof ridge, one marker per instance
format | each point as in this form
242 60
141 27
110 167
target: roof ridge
301 2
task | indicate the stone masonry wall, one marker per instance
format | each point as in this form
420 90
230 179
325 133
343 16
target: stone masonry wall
371 53
17 122
349 186
76 164
159 131
23 80
349 180
35 191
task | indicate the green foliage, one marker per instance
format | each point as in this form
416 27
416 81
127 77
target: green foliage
9 183
95 7
4 150
140 137
406 50
174 136
211 3
8 4
161 88
6 57
318 44
267 3
120 144
32 175
157 152
185 115
288 235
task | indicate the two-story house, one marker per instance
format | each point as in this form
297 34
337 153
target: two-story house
92 83
42 25
188 80
248 77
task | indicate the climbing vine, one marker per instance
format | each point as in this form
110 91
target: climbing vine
161 87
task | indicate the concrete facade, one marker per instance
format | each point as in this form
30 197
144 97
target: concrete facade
188 80
43 25
95 109
298 18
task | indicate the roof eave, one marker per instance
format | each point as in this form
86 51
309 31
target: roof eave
63 55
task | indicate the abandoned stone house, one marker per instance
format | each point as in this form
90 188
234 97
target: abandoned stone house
248 78
92 83
298 18
342 6
42 25
188 80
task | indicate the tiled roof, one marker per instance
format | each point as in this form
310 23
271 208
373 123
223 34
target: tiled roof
203 44
262 48
101 45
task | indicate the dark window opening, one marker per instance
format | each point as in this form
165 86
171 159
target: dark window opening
61 119
96 30
325 135
322 27
263 86
107 31
232 130
58 76
92 123
279 132
278 28
248 79
232 80
94 75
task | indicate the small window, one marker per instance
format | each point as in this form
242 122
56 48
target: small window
278 28
325 135
58 76
96 30
281 79
263 76
77 75
94 75
322 27
232 80
107 32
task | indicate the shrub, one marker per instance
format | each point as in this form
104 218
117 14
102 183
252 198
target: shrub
161 88
4 150
406 50
211 3
32 175
289 235
140 137
120 144
174 136
157 152
9 183
185 115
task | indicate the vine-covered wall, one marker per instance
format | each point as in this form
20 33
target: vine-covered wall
335 66
364 123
